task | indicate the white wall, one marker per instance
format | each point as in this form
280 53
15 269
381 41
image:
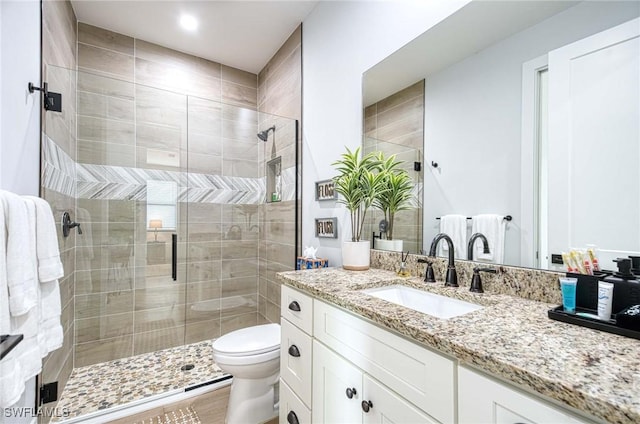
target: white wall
19 110
473 121
341 40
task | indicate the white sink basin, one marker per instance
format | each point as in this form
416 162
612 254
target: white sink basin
421 301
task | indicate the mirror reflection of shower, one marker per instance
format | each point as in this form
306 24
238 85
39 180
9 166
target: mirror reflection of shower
264 135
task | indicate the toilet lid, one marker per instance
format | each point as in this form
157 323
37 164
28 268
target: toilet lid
249 341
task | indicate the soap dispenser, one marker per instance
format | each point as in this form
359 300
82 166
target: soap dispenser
635 266
626 288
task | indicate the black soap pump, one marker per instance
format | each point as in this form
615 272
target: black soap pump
626 288
635 265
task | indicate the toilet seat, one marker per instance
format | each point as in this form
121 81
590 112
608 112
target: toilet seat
223 359
256 341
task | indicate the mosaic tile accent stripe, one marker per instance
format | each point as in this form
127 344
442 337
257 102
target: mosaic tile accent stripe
106 182
58 169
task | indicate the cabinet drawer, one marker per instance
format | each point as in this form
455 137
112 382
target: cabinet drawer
297 308
292 410
423 377
484 400
295 360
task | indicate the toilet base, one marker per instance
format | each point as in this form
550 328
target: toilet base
252 400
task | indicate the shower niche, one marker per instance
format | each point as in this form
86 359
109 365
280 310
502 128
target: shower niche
274 180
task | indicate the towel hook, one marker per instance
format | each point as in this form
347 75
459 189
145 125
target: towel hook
67 224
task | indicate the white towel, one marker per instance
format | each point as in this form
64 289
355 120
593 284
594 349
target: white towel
50 333
455 226
11 382
21 278
49 264
493 227
28 352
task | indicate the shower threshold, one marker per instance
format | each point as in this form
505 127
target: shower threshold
136 383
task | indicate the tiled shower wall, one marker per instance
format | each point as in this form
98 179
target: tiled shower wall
59 50
395 125
136 123
280 93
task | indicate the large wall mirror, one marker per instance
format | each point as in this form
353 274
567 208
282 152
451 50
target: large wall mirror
530 109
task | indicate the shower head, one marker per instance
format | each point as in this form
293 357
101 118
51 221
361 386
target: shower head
263 135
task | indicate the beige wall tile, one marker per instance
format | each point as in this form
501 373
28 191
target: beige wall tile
106 130
236 268
105 62
100 37
205 290
159 318
158 340
104 327
92 83
239 286
59 34
238 76
241 168
94 305
239 305
202 330
178 80
414 90
102 351
240 95
232 323
100 106
99 153
152 298
205 164
165 56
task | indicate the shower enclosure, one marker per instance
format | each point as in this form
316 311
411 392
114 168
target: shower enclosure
186 216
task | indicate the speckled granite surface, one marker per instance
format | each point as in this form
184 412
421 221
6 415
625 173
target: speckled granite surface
511 337
108 384
528 283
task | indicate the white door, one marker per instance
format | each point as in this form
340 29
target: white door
386 407
337 388
594 143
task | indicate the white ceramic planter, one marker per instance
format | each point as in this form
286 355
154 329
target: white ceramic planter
392 245
356 255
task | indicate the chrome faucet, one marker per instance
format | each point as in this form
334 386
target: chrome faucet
472 240
452 276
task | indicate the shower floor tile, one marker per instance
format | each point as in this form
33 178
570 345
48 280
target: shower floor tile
108 384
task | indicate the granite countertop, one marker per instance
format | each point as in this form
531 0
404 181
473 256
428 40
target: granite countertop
511 337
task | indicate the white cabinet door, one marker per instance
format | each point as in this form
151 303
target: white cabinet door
483 400
387 407
332 377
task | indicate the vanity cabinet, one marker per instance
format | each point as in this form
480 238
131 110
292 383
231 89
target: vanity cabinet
484 400
345 394
346 369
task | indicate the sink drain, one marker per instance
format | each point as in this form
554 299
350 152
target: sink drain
187 367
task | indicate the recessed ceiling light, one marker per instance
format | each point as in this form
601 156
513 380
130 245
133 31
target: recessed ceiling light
188 22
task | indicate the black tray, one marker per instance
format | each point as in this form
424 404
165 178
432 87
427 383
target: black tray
559 314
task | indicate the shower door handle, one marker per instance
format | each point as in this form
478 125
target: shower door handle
174 256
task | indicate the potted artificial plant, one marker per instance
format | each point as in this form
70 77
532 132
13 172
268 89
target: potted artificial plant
394 196
359 182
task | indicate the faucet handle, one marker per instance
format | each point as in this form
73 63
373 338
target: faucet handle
429 276
476 281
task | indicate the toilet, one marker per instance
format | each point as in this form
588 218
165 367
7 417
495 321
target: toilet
252 356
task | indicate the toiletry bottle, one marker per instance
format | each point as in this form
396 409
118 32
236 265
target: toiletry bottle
635 265
626 288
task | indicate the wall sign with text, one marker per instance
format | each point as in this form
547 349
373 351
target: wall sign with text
325 190
327 227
